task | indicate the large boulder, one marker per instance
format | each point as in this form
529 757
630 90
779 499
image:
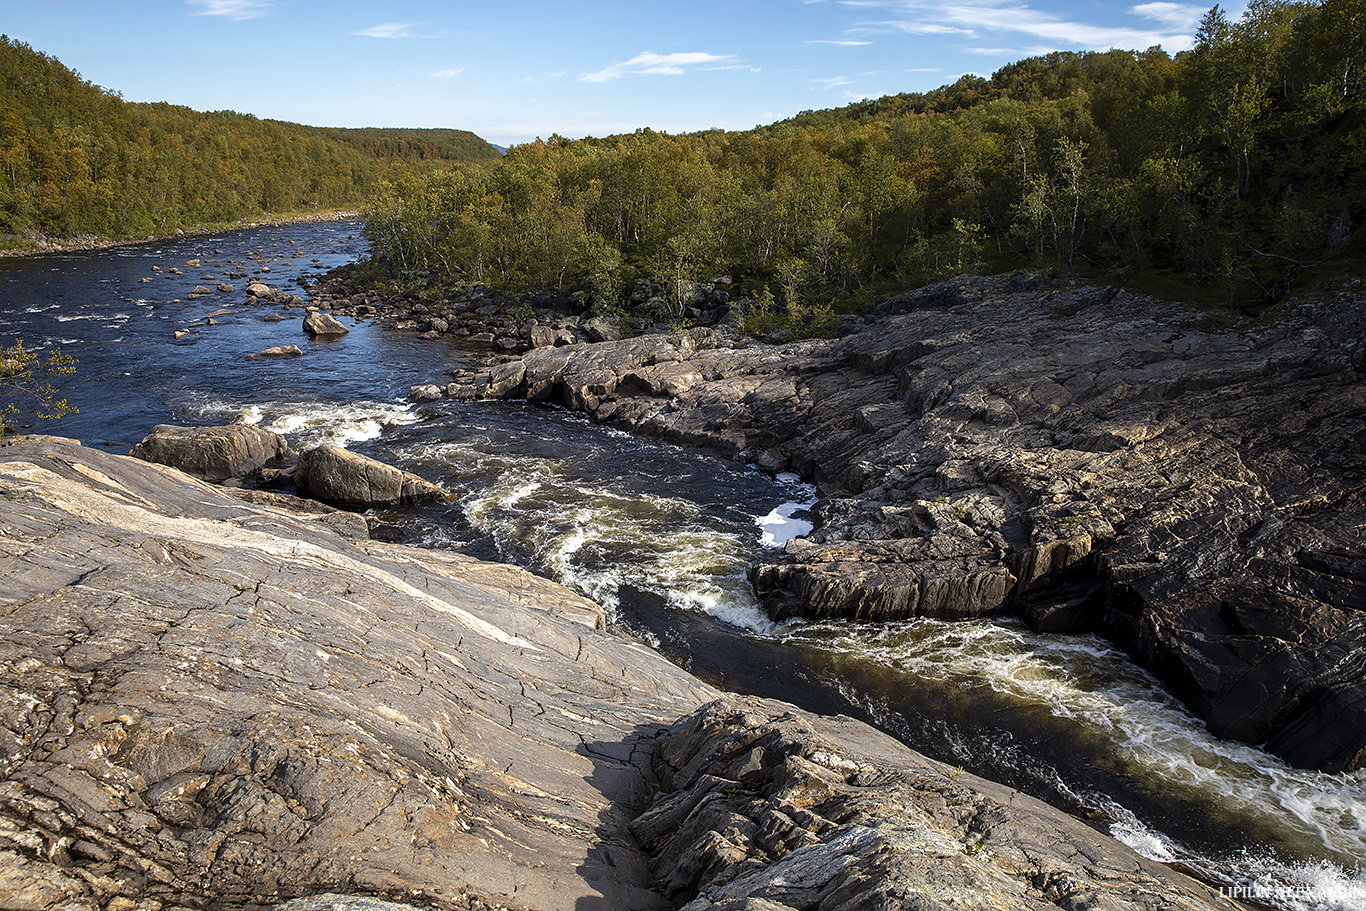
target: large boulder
335 475
212 453
323 324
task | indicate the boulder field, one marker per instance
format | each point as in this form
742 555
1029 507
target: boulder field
1088 458
219 699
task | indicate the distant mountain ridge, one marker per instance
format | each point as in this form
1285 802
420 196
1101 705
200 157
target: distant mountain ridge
78 160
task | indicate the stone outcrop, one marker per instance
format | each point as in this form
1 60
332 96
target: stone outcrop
765 807
212 453
335 475
207 702
1085 457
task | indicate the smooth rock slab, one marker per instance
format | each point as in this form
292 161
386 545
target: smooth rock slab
206 702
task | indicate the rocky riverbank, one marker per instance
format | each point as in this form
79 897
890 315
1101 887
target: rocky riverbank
1085 457
219 699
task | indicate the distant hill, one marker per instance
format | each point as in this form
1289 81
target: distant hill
433 146
78 160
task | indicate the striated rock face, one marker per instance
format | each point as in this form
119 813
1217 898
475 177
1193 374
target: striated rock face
1087 458
335 475
212 453
205 701
212 703
763 807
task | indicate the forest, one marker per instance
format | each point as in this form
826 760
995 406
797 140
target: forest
1227 171
77 160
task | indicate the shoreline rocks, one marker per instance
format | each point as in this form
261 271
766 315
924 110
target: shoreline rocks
1089 459
211 702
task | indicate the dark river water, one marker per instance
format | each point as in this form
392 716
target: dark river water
662 536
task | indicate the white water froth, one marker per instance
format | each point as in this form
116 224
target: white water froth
597 540
1097 695
307 424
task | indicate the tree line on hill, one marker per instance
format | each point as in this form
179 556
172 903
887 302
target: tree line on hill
1231 167
76 159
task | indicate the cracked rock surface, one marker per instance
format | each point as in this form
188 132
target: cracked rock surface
769 809
214 704
210 701
1090 459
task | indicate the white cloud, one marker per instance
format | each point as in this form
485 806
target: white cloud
233 9
389 30
845 43
834 82
652 64
1179 16
1018 18
447 74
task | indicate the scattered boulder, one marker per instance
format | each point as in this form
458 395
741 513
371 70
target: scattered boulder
335 475
212 453
601 330
278 351
321 325
425 393
542 336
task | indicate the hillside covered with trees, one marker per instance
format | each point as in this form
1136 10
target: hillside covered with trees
76 159
1232 167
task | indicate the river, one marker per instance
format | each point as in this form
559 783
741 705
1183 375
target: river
661 536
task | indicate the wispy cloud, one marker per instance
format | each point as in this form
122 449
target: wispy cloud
833 82
848 42
232 9
652 64
390 30
1178 16
447 74
972 18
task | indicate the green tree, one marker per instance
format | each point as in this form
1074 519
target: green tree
26 385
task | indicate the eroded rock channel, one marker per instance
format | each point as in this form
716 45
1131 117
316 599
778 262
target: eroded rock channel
1086 458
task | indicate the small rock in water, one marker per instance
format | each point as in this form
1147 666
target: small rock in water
278 351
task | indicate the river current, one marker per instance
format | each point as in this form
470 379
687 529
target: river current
661 536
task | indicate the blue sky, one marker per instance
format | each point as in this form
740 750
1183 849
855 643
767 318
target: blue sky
512 70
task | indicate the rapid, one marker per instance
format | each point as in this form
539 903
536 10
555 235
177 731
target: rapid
662 537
